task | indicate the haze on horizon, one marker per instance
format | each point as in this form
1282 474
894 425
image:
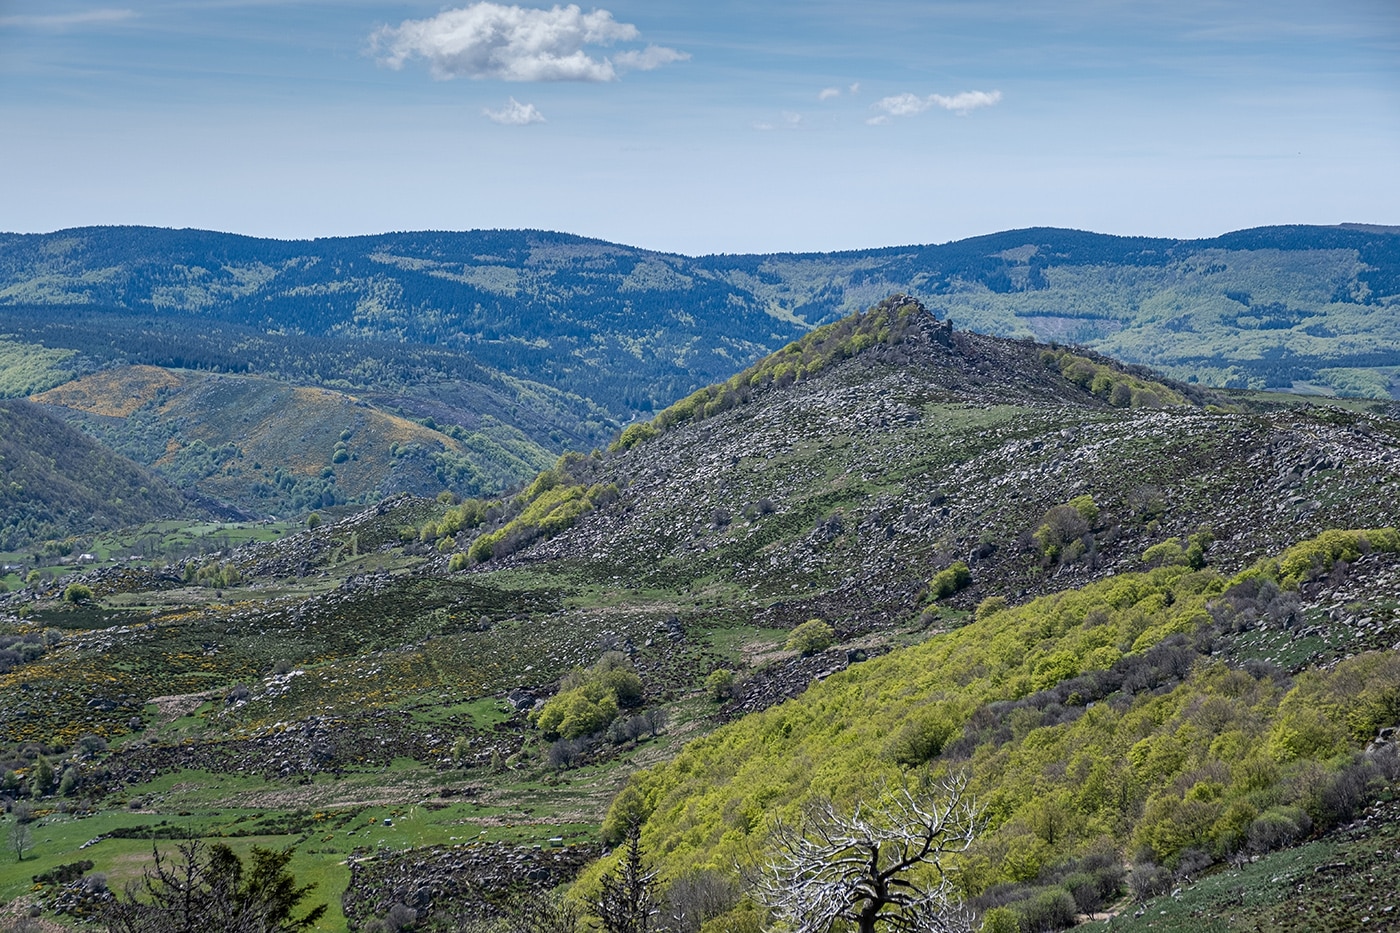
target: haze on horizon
723 127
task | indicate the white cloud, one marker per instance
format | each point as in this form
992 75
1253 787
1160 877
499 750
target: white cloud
515 113
653 56
855 88
64 20
513 43
827 93
967 101
906 105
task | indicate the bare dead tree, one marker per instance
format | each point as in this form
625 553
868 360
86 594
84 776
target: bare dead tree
865 868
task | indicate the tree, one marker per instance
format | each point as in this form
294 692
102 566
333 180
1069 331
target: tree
810 637
21 837
210 888
627 903
868 868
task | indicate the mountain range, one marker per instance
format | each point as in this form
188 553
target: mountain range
506 348
1150 623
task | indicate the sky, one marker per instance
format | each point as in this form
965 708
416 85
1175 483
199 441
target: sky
700 127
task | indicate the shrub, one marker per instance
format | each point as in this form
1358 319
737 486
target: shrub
77 594
1000 920
810 637
1060 526
1276 828
948 581
990 607
1051 909
1147 880
1169 553
719 684
588 701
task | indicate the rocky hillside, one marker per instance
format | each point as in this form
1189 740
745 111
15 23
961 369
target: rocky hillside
847 490
1023 559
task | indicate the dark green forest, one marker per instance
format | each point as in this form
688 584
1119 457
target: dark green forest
632 330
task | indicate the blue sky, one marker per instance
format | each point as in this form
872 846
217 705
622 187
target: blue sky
700 127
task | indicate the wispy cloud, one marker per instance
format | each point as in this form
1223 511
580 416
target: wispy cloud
830 93
790 121
653 56
514 43
514 113
67 20
906 105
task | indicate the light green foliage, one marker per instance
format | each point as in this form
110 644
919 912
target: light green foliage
634 434
718 683
990 607
28 368
1110 383
949 580
552 503
1317 555
748 917
810 637
1000 920
1178 759
77 593
589 700
1168 553
213 574
1087 508
313 521
923 735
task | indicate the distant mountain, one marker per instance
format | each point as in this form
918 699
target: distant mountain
267 447
519 345
632 329
54 479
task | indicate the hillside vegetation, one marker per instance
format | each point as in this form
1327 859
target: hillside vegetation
271 448
54 479
1120 604
1098 717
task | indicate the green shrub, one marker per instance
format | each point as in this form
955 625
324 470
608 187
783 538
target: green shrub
810 637
990 607
1169 553
77 593
920 739
1000 920
588 701
719 683
949 580
1087 509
